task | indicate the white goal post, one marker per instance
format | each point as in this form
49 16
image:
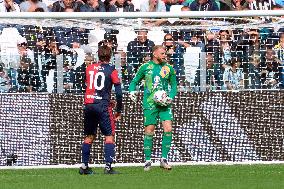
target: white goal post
247 156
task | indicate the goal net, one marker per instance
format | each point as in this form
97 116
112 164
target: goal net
230 81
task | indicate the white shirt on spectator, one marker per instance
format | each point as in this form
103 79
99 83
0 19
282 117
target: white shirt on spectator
145 7
137 4
25 6
234 78
9 49
49 3
4 9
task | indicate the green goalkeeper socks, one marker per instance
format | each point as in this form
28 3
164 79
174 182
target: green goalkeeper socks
148 144
166 144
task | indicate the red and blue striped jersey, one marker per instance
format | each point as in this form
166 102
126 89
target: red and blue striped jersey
100 78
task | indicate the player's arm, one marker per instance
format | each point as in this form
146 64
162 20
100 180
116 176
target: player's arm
173 84
138 77
118 91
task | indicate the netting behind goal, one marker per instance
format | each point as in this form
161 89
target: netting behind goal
47 129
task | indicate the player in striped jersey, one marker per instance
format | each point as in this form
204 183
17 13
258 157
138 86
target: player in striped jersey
100 78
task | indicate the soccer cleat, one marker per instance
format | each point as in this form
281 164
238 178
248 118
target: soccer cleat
147 166
110 170
87 171
164 164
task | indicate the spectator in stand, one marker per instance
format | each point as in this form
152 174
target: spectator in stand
259 4
175 52
109 40
212 75
204 5
9 6
196 40
225 44
24 50
68 37
279 48
136 4
38 39
233 76
270 73
248 44
225 5
47 61
80 74
127 73
119 6
28 76
32 6
68 78
279 53
9 54
138 49
169 3
237 5
212 41
153 6
61 5
49 4
4 80
93 6
254 72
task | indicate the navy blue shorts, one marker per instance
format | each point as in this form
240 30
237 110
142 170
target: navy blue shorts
99 114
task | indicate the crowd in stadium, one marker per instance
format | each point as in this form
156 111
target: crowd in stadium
236 59
135 5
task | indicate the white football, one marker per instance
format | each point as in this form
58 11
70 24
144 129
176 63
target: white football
160 97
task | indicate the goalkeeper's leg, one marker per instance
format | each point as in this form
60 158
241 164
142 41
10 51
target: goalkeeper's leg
148 145
166 118
150 120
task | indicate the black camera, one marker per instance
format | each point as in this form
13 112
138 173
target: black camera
11 159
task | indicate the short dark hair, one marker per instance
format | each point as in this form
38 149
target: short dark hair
26 59
234 61
104 53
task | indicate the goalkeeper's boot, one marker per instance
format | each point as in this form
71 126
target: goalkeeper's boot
87 171
147 166
164 164
109 170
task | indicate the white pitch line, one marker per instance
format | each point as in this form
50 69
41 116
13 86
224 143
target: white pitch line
65 166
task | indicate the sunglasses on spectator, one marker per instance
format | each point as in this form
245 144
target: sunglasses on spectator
169 39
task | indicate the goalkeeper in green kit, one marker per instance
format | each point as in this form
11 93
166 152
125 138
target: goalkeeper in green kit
158 76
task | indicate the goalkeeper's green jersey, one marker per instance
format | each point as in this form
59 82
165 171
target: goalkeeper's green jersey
157 77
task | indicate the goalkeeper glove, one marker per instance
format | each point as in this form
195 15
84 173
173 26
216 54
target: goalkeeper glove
133 96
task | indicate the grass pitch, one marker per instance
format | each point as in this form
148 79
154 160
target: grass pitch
180 177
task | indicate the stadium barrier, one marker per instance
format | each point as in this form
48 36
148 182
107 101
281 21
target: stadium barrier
46 129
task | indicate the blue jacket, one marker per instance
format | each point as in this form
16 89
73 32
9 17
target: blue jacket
88 8
211 5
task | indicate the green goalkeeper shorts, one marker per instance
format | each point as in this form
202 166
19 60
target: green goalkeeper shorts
152 116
